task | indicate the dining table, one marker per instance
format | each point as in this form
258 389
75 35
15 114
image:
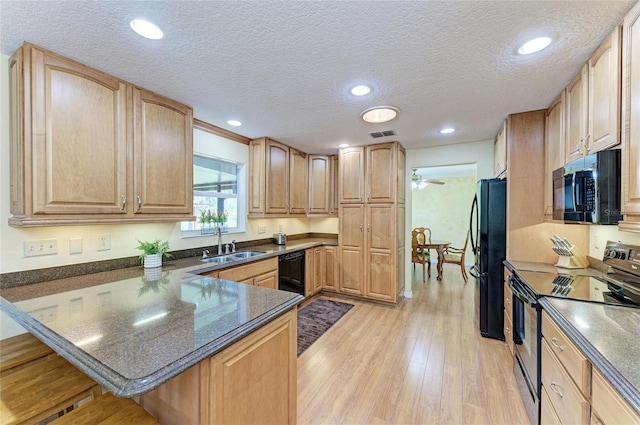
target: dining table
440 246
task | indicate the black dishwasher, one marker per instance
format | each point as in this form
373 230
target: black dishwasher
291 272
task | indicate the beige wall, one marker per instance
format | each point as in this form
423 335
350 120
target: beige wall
123 237
445 210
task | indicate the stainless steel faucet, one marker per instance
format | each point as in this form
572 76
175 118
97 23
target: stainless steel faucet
219 232
233 245
204 253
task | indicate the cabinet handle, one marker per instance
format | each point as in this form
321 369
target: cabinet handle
139 202
507 329
368 227
553 386
361 227
554 342
124 203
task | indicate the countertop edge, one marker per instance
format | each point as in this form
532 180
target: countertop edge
619 382
129 388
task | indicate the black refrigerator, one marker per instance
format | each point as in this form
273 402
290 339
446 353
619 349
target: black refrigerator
488 227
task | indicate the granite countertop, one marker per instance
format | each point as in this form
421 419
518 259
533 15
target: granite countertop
132 330
608 335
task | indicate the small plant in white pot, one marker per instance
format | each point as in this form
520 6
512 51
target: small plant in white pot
152 252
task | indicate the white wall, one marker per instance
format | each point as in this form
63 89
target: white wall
123 237
479 153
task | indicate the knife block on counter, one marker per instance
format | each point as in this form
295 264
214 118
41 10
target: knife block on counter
574 261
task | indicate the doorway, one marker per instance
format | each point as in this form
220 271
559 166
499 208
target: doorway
441 200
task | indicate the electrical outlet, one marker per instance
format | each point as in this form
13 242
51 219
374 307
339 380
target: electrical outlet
103 299
46 314
104 242
43 247
262 229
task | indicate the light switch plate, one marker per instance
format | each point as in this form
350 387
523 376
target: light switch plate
104 242
41 247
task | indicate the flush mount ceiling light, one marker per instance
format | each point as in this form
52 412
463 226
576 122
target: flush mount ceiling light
447 130
360 90
146 29
379 114
234 123
534 45
343 145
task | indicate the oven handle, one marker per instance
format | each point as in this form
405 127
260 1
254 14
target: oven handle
516 287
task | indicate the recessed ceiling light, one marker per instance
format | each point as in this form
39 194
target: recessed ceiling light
379 114
234 123
447 130
534 45
146 29
360 90
343 145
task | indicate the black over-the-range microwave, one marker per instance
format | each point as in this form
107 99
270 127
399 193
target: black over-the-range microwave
587 190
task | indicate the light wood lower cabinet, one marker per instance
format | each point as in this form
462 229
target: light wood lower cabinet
331 278
566 399
508 317
608 405
252 381
261 273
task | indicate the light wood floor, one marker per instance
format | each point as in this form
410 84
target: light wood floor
423 362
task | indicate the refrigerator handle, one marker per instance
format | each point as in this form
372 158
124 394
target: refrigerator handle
474 207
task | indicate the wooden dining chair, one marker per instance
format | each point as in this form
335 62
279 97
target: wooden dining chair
453 255
418 254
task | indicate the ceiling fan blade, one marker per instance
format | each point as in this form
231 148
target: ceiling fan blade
433 181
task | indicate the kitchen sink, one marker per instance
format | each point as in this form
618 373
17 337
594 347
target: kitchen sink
247 254
220 259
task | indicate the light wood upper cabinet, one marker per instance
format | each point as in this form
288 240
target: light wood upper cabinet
604 94
630 172
382 179
577 114
277 180
319 184
298 189
593 102
158 122
554 145
500 151
333 198
351 175
74 157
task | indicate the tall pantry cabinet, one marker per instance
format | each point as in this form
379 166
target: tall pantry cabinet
371 242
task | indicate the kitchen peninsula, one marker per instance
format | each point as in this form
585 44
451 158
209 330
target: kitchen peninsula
177 339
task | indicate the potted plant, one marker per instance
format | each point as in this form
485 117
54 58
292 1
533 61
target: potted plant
152 252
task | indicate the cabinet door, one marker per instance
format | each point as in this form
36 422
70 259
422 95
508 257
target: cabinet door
309 272
246 273
351 175
277 178
262 363
630 173
298 188
79 128
257 176
319 184
267 280
380 252
381 173
331 268
333 197
318 268
352 272
604 94
554 148
163 152
576 115
402 178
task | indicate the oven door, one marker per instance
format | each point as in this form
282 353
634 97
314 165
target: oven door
526 323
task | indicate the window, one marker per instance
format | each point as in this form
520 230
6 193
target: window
215 192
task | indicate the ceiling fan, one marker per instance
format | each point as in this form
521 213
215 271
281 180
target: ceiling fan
417 182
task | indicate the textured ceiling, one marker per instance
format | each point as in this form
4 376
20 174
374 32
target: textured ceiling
284 68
